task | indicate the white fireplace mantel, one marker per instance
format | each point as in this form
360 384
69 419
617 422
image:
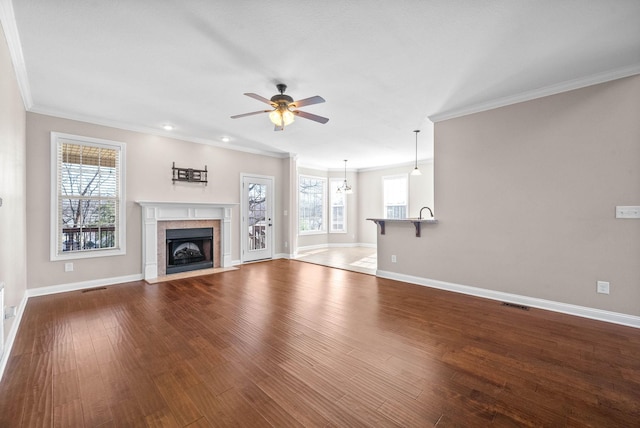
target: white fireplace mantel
153 212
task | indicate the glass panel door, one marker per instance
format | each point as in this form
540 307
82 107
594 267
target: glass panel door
257 224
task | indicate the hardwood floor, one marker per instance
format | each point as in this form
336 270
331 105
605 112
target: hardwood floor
286 343
357 259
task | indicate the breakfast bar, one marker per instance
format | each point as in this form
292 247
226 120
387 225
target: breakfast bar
417 222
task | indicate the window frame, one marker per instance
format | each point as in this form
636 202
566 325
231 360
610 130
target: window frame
324 205
120 225
334 183
406 195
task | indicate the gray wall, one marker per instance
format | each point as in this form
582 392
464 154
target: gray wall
13 251
526 198
148 177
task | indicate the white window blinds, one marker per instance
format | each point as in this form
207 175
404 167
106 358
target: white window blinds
89 200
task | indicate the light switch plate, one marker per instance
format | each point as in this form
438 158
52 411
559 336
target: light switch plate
628 211
602 287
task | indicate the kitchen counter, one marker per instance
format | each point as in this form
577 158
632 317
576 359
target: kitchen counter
417 222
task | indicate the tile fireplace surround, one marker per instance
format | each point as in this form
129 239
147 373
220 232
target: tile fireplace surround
183 213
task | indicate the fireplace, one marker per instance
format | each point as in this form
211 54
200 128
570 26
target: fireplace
189 249
158 217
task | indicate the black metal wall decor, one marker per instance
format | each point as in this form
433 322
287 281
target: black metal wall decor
189 175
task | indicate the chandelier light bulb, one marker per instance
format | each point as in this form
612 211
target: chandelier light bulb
281 116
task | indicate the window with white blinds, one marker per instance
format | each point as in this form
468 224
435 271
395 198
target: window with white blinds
338 212
87 201
312 199
395 195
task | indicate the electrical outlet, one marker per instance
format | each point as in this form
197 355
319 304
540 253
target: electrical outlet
68 267
393 259
602 287
10 312
628 212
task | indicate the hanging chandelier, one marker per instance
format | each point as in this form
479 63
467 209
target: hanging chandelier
345 188
416 171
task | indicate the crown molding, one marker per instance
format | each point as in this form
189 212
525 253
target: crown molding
568 85
8 21
153 131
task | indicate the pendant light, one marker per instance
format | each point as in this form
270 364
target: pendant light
345 188
416 171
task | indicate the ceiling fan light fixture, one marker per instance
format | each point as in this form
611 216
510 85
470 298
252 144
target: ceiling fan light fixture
276 118
281 116
287 117
285 109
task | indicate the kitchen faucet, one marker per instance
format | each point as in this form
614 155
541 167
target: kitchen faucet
420 217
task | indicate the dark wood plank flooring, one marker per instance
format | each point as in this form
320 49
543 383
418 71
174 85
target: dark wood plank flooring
288 344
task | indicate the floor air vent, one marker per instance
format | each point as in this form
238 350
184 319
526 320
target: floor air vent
513 305
94 289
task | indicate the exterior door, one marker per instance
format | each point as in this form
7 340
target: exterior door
257 216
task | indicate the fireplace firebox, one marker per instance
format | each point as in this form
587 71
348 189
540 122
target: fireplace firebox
189 249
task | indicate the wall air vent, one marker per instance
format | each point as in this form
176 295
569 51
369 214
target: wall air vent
93 289
513 305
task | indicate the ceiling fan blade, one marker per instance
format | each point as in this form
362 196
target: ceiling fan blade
259 98
249 114
307 101
310 116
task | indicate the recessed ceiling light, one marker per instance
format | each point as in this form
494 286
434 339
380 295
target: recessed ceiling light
225 139
167 127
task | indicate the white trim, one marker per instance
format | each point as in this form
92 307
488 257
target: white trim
244 230
1 320
8 20
410 165
153 212
74 286
54 255
154 131
336 245
8 345
569 85
565 308
325 202
284 256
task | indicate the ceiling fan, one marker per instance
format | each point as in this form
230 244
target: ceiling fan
284 108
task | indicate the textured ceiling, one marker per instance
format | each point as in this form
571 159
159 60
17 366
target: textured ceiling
384 67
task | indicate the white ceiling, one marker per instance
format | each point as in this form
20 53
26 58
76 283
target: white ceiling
385 68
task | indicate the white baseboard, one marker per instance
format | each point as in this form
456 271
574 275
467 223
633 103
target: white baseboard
62 288
565 308
336 245
283 256
53 289
235 263
8 344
